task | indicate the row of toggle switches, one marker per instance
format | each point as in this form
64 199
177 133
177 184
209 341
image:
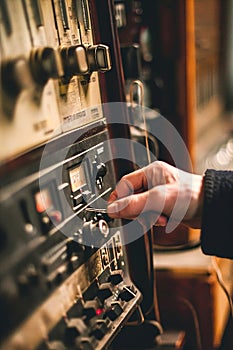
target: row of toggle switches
49 63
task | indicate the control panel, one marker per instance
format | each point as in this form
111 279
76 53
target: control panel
64 279
49 71
63 266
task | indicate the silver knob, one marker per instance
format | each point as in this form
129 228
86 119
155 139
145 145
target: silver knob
75 60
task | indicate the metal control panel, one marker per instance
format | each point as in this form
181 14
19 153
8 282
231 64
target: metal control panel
49 71
64 281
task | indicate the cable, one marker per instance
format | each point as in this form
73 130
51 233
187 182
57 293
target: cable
139 321
195 320
222 284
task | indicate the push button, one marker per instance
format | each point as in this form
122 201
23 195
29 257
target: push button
104 292
100 328
115 277
114 311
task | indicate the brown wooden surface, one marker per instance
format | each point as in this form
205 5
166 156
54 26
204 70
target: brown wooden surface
190 296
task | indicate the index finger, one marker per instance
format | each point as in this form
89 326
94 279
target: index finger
134 182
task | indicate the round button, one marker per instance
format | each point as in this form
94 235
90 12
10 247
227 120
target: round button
103 227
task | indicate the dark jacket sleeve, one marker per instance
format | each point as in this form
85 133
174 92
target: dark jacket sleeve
217 219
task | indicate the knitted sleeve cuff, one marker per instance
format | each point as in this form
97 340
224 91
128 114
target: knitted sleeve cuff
217 218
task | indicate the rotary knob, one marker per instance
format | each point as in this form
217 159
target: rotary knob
99 58
46 63
94 230
16 75
100 170
75 60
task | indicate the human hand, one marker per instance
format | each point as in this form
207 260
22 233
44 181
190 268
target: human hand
161 189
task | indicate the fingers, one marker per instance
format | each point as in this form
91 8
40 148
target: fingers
140 180
128 207
129 184
134 205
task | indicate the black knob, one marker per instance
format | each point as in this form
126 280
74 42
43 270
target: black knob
101 170
46 63
16 75
75 60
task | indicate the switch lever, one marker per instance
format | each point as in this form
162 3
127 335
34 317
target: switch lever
97 210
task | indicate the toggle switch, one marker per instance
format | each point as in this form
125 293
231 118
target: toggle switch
46 63
75 60
99 58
